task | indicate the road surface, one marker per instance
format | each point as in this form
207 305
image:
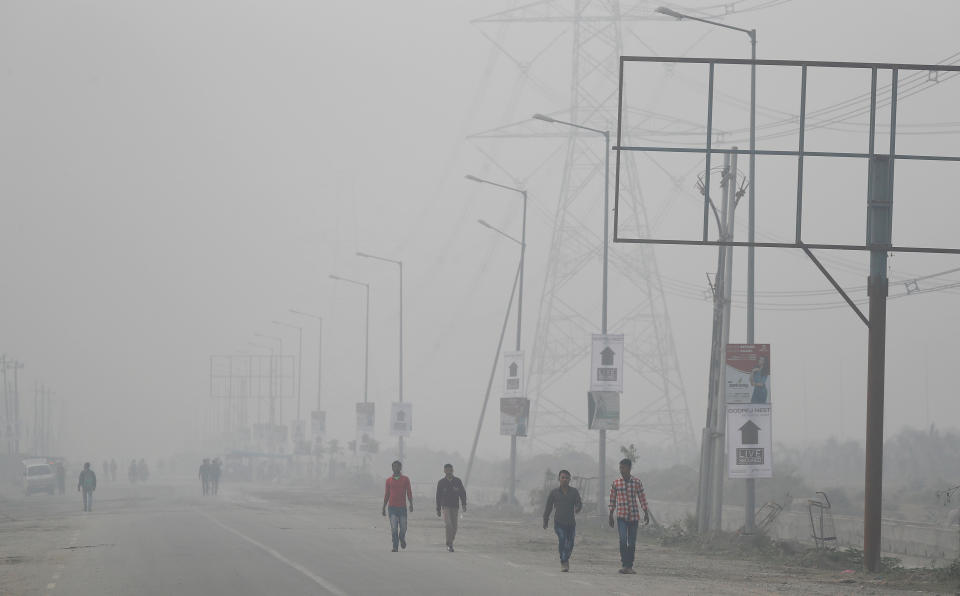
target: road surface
163 538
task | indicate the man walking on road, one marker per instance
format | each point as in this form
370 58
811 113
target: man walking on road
395 497
566 501
204 475
450 494
625 494
87 483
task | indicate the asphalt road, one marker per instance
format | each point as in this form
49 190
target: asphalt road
165 539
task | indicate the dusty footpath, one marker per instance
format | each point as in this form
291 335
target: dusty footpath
39 545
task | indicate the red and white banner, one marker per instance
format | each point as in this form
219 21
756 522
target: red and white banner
747 374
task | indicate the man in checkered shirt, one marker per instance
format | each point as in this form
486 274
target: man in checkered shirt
626 494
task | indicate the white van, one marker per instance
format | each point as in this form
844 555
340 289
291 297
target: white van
38 477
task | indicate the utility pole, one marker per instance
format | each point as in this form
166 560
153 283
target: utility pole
710 493
879 236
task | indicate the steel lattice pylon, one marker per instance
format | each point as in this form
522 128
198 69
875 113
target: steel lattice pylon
561 343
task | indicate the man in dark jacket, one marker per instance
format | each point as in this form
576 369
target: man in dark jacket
450 494
87 483
566 501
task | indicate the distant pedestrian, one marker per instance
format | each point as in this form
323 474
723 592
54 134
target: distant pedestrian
143 473
87 484
215 475
61 473
113 469
626 494
132 471
205 477
395 496
565 500
450 494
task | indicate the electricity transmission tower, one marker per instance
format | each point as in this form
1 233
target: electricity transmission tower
569 308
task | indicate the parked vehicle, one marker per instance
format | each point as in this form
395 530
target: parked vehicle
39 477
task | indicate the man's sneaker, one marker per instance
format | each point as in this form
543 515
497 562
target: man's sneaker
629 570
449 548
622 570
403 543
393 550
564 566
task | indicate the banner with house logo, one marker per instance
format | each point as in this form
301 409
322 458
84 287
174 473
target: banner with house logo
606 363
747 374
603 410
749 441
299 431
318 423
514 415
401 419
513 374
365 416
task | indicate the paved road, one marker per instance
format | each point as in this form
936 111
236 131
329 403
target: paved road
164 539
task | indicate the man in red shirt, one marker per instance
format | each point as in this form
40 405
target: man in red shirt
395 497
625 494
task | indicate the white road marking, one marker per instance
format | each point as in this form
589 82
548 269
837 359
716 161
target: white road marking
51 586
276 555
512 564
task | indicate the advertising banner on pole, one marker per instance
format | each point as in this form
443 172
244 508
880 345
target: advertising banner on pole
299 430
513 374
365 416
749 441
514 415
606 363
280 434
603 410
401 419
747 374
318 423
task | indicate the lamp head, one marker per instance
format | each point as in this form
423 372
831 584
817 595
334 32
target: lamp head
484 223
669 12
543 117
362 254
474 178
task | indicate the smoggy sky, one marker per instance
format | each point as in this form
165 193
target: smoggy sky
177 175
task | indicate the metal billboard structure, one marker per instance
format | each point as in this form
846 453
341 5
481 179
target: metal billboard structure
237 380
879 218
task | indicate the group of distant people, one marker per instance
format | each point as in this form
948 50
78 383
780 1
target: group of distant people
138 471
210 471
627 501
110 470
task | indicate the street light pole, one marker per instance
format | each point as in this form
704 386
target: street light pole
319 351
299 329
276 412
366 340
606 244
750 503
400 265
523 251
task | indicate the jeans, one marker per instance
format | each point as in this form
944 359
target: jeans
565 536
628 540
88 500
398 524
450 523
